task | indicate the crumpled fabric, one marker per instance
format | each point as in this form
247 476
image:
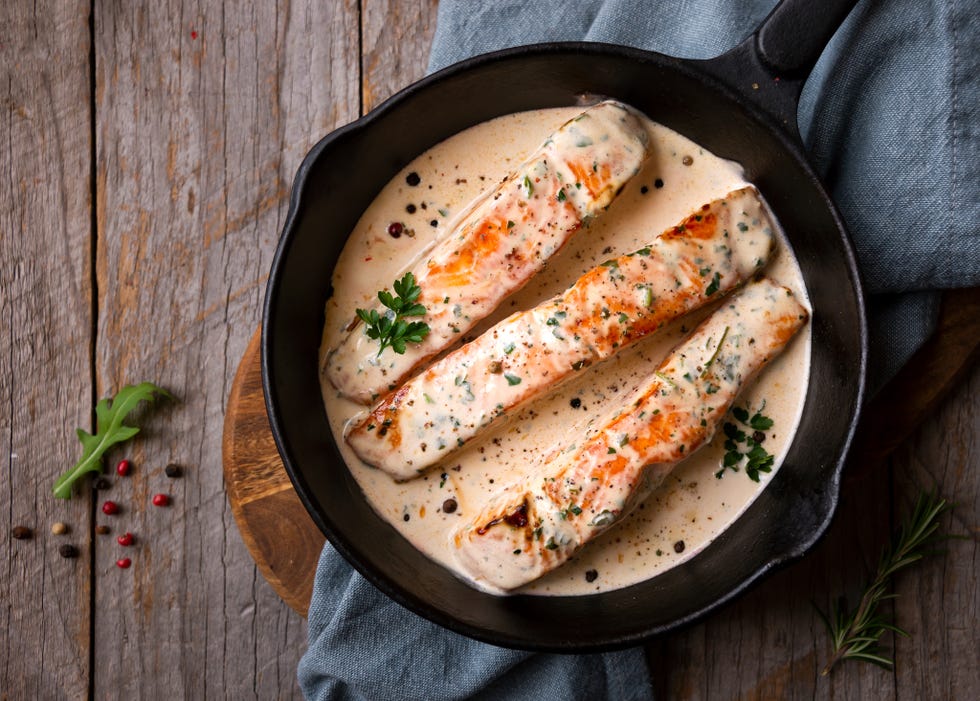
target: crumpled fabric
889 117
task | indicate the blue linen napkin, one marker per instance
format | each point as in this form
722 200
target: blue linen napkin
889 117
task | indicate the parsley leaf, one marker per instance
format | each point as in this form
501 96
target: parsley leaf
110 430
390 328
757 458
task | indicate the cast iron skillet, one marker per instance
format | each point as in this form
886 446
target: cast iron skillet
734 106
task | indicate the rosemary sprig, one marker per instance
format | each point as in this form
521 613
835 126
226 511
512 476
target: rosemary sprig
390 328
856 635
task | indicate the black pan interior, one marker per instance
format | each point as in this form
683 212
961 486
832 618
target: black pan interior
339 179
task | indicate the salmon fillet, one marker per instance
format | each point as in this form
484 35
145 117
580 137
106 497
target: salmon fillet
502 243
612 306
533 527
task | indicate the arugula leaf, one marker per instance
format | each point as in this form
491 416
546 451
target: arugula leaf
390 328
110 430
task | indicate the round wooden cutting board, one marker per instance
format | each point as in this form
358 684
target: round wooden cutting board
286 544
274 524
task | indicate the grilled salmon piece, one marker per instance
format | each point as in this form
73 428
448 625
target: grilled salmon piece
612 306
533 527
502 242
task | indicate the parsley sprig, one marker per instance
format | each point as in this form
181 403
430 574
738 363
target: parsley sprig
855 635
740 444
390 328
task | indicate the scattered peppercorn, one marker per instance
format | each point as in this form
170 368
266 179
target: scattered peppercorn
658 183
687 160
449 506
591 575
679 546
434 222
102 484
58 528
575 402
102 530
68 551
405 517
758 436
22 533
395 229
161 500
122 469
410 208
644 190
124 563
110 507
173 470
125 540
413 179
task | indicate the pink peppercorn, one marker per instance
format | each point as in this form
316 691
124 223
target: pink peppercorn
161 500
125 540
110 507
124 563
122 469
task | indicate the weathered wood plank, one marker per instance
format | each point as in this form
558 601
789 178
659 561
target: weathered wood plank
939 601
204 111
45 344
396 36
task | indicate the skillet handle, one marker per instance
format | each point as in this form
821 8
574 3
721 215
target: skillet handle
768 68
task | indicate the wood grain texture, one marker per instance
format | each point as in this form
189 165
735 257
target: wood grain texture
396 36
45 343
204 110
279 533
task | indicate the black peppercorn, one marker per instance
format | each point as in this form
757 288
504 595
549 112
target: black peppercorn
413 179
679 546
758 436
658 183
644 190
449 506
22 533
173 470
591 575
68 551
575 402
410 208
102 484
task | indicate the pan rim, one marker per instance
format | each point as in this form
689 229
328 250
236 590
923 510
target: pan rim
335 535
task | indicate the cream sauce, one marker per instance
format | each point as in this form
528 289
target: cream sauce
692 506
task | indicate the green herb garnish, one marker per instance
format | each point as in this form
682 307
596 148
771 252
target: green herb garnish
528 186
561 195
512 379
390 328
110 430
740 445
713 287
856 635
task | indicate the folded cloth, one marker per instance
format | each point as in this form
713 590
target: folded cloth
890 119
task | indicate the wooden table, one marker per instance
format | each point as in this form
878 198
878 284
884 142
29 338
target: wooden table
147 152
